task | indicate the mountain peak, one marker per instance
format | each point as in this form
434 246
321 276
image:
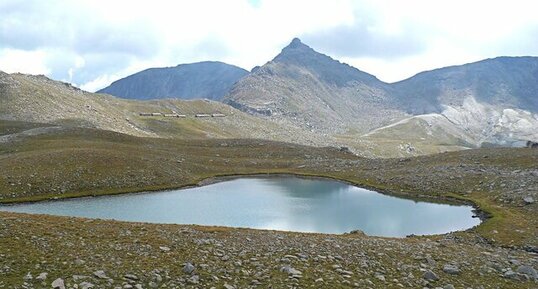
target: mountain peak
296 51
299 54
296 44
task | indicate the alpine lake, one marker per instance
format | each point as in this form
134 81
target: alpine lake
273 203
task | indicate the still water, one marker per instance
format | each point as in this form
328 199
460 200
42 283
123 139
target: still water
279 203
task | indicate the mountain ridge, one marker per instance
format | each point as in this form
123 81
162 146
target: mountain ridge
307 97
206 79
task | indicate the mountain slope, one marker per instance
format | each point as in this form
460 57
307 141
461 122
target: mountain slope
509 82
490 102
38 99
310 90
211 80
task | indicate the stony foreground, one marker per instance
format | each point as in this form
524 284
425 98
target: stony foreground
42 251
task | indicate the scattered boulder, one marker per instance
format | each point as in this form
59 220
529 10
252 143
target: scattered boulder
28 277
509 274
528 200
430 276
58 284
451 269
85 285
528 271
42 276
532 144
131 277
188 268
380 277
100 274
290 270
195 279
164 249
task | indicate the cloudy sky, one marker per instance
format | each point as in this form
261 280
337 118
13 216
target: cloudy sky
94 42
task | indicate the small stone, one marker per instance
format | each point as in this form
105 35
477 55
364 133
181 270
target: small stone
152 284
85 285
28 277
188 268
131 277
449 286
79 277
431 261
164 249
380 277
451 269
195 279
528 200
510 274
228 286
290 270
318 280
100 274
79 262
42 276
529 271
430 276
139 286
58 284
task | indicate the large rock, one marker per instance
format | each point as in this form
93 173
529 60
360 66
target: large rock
451 269
58 284
529 271
188 268
430 276
528 200
100 274
86 285
42 276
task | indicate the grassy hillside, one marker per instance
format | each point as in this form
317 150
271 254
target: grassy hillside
69 162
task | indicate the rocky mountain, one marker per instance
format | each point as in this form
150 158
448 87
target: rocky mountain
306 97
209 79
307 89
508 82
490 102
486 103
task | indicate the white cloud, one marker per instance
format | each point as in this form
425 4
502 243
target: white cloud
93 42
31 62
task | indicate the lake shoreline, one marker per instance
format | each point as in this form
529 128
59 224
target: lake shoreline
224 178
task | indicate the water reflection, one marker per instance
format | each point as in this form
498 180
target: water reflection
283 203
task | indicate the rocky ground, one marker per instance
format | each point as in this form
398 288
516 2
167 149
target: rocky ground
38 251
58 252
